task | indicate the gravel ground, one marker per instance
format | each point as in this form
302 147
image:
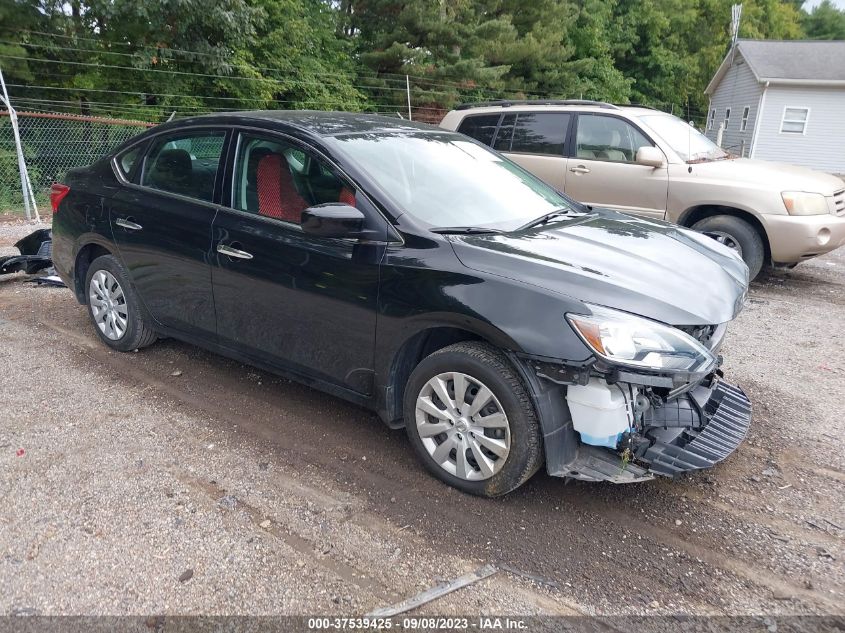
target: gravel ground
281 500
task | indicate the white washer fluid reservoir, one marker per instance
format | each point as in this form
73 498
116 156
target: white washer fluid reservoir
599 412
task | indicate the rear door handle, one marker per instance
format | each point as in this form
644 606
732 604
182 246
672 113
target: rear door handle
580 169
233 252
128 224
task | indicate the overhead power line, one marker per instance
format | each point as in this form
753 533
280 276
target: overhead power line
188 96
360 73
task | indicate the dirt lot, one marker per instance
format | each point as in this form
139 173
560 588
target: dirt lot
281 500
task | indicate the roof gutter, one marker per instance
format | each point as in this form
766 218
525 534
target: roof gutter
823 83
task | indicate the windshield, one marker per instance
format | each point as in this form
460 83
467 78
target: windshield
446 180
688 143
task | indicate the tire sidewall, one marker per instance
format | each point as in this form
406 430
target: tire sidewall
522 426
753 250
129 340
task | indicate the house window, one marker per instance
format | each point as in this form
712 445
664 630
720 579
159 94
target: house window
794 120
727 117
745 112
711 119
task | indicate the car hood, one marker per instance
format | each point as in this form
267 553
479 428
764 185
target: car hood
779 176
645 267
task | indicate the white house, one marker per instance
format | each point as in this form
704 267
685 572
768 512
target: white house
782 101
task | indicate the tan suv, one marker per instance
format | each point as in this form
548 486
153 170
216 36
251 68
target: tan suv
646 162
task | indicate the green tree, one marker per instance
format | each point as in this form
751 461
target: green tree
298 47
824 22
557 50
147 59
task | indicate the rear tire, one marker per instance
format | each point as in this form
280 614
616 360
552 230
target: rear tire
487 442
739 235
114 307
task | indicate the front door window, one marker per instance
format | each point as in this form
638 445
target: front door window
608 138
280 180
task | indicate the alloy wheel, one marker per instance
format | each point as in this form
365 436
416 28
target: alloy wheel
726 239
108 305
463 426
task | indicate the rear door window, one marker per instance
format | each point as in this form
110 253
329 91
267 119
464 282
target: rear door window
505 135
185 164
540 133
126 161
480 127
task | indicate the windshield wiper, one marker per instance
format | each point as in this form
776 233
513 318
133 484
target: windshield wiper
464 230
547 217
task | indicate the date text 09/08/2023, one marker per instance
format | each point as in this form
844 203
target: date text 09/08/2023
427 623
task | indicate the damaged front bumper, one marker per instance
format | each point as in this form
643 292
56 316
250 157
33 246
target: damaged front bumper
696 431
670 429
715 423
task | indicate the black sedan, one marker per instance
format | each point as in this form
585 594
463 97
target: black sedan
420 274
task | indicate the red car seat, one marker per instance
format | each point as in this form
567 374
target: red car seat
277 194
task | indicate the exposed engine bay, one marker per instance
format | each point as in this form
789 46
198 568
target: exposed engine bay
631 425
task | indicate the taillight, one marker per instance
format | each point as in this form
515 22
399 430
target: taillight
57 193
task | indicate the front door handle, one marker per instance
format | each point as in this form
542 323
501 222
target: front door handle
233 252
580 169
128 224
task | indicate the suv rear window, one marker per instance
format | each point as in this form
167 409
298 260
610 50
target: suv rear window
481 128
540 133
533 133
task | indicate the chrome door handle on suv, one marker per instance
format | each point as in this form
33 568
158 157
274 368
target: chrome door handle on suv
580 169
128 224
233 252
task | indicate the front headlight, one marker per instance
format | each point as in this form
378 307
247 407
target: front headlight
803 203
625 339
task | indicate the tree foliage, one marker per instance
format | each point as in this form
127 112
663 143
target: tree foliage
148 59
824 22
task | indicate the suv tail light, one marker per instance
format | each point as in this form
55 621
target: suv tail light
57 193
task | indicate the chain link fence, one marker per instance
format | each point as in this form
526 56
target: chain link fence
52 144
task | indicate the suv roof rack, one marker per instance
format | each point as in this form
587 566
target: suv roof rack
506 103
636 105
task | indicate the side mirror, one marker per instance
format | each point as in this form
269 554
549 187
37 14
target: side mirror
650 157
333 219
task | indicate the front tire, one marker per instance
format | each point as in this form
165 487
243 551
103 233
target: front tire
471 420
114 307
739 235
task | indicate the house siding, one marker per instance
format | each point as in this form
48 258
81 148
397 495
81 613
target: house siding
822 146
737 90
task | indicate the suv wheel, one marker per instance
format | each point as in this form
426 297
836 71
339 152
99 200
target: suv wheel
471 420
114 307
738 235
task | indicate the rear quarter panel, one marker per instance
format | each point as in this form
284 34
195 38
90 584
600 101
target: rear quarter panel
82 218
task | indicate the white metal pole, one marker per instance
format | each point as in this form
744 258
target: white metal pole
408 90
13 119
31 195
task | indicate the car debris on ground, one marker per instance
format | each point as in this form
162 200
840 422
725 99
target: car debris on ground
35 255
